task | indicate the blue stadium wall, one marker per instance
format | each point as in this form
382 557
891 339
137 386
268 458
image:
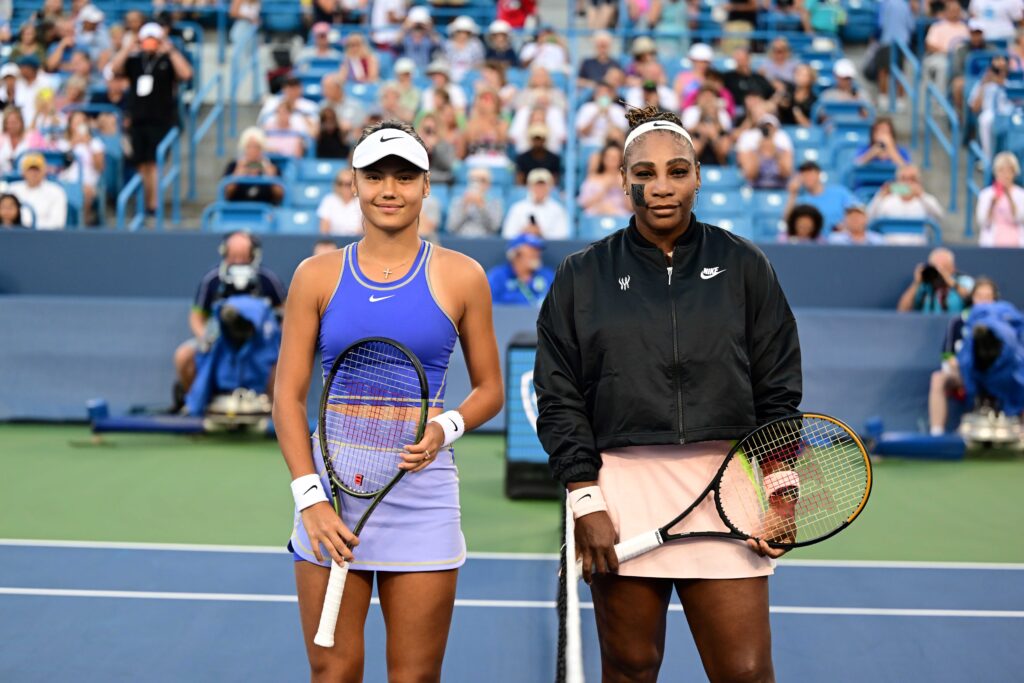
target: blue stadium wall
87 315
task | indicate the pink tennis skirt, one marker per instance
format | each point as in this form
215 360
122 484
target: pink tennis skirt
646 486
416 527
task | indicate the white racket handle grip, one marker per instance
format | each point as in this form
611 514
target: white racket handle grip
632 547
332 605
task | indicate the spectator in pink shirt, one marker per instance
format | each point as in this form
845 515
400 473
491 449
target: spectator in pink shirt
939 42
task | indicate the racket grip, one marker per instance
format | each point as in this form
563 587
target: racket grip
332 605
630 548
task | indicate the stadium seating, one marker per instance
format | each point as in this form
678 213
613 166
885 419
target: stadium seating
222 216
908 231
296 221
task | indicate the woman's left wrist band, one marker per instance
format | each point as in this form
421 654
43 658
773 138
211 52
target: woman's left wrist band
452 424
586 500
307 490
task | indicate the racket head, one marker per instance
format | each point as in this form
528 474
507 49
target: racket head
374 403
794 481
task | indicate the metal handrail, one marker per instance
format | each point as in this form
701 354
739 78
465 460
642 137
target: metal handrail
934 101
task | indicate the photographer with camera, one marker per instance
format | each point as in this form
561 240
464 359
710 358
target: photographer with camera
988 99
709 125
882 147
765 154
937 287
239 272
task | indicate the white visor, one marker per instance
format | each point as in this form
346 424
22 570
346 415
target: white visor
390 142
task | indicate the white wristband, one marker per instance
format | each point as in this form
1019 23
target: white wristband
452 424
586 500
781 479
307 490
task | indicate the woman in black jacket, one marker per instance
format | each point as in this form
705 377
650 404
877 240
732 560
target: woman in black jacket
657 346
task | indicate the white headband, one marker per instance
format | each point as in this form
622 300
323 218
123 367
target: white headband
655 125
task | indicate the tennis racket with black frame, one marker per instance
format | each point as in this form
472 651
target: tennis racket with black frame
373 405
791 482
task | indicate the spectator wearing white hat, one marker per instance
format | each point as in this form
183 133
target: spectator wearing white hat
547 50
463 49
537 156
92 36
417 39
689 81
386 17
321 47
645 65
154 67
499 46
441 79
845 88
539 213
408 94
12 89
594 69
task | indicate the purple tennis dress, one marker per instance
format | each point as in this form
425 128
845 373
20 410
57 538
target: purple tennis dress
417 525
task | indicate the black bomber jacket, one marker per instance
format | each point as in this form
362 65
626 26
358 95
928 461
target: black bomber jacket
631 352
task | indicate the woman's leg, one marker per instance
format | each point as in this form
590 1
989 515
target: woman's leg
729 622
342 663
417 609
630 615
937 402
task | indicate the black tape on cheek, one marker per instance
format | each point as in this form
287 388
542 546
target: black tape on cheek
637 193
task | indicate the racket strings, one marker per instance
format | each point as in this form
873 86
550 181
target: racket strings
372 411
795 481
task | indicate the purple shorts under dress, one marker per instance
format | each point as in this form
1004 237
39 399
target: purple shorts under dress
416 527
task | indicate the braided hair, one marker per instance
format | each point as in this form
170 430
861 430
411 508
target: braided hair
637 117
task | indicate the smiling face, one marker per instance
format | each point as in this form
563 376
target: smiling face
391 193
663 163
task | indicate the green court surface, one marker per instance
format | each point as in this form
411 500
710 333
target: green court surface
56 484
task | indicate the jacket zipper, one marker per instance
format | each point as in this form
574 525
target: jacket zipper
675 358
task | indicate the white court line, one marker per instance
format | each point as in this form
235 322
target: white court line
276 550
504 604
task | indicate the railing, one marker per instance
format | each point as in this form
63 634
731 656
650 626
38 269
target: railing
244 64
911 85
975 156
168 177
133 188
934 102
200 129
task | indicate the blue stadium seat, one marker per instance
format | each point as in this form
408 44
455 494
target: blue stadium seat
296 221
811 136
720 178
769 202
598 227
725 201
768 228
742 225
308 194
870 175
515 194
224 216
908 231
318 170
364 92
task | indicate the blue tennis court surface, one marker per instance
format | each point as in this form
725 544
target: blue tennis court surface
122 612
